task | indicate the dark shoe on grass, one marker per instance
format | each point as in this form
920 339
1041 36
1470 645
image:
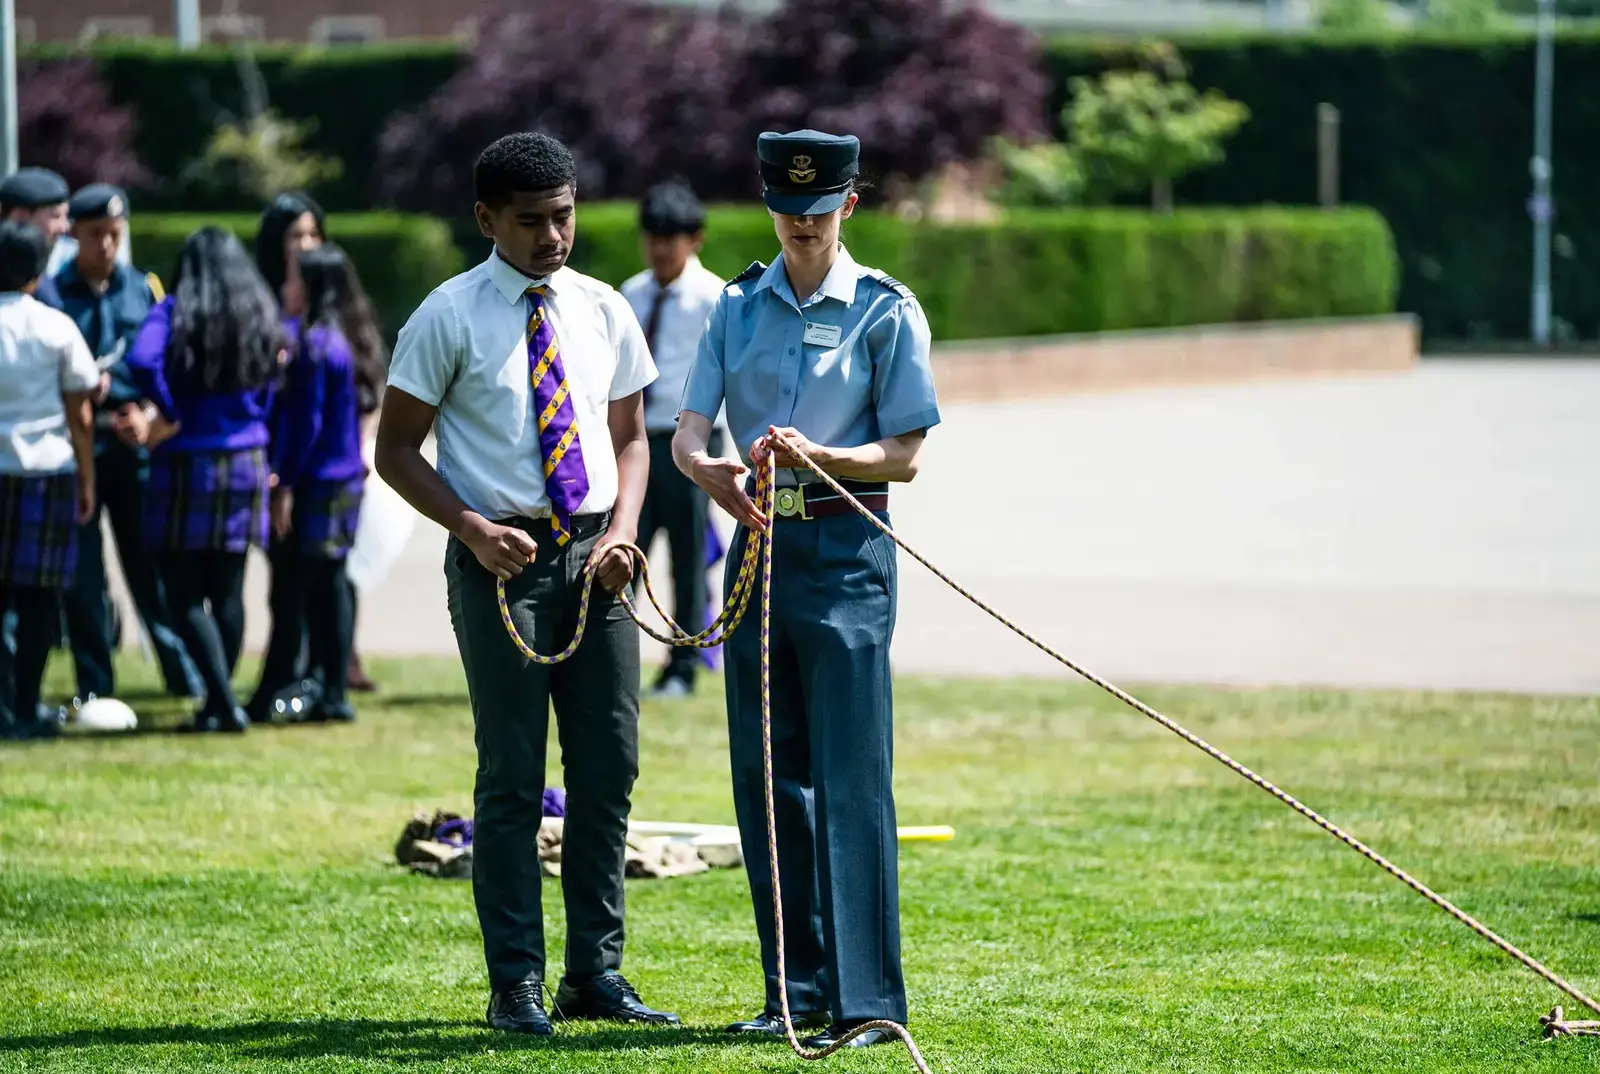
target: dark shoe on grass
519 1009
834 1033
767 1024
609 997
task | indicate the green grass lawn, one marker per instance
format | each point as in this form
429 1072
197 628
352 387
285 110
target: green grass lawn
1113 901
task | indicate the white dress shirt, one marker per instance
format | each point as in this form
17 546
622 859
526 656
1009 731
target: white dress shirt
689 301
42 355
465 352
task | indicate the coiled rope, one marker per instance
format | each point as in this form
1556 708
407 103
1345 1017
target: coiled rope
759 548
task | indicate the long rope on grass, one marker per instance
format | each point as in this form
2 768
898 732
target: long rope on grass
758 554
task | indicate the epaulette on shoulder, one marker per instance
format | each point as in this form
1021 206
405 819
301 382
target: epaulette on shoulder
755 270
153 281
891 283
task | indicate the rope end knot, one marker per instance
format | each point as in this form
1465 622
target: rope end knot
1556 1025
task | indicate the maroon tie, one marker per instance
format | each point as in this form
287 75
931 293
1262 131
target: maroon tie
650 325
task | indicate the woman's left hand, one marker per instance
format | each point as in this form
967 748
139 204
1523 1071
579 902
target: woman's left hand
774 443
615 569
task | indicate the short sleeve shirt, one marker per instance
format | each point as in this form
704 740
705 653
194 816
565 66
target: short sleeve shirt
465 351
846 367
42 355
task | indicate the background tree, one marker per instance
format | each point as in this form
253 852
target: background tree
1134 130
1464 15
1127 132
638 94
641 93
1354 16
923 84
66 122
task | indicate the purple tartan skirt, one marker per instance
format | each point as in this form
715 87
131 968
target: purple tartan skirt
38 529
206 501
326 514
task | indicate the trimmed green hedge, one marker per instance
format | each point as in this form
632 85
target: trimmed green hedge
1435 133
1080 271
400 258
1030 274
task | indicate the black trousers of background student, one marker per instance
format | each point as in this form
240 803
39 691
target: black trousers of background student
676 504
313 624
31 619
213 635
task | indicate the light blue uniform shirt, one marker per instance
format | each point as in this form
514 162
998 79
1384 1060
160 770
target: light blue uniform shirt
847 367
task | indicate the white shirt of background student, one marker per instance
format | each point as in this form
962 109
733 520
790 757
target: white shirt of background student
688 303
42 357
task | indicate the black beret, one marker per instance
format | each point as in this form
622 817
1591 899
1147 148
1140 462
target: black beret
98 201
32 188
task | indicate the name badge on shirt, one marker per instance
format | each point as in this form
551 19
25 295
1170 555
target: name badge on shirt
822 335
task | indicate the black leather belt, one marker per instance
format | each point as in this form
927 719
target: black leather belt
802 503
582 525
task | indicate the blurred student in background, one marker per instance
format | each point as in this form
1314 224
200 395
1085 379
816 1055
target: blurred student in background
209 357
321 476
292 224
38 196
672 299
109 302
47 383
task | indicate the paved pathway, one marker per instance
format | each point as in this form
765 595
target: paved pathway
1433 529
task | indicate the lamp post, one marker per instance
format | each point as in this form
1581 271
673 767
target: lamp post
8 87
1540 206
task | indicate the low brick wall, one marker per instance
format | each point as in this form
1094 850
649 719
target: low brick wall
1018 368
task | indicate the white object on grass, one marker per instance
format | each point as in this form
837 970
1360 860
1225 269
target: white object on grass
105 714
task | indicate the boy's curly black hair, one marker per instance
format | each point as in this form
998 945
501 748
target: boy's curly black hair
525 162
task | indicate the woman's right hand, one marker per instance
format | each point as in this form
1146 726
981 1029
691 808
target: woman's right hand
722 481
502 550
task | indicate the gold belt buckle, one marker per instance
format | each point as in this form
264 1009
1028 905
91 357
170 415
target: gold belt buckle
792 502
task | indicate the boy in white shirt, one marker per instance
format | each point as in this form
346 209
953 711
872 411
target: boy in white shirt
672 299
48 381
531 376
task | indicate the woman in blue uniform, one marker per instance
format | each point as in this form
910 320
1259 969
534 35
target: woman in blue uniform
208 357
831 356
48 380
316 455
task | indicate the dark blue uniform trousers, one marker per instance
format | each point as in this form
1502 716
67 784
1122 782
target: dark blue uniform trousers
833 613
121 473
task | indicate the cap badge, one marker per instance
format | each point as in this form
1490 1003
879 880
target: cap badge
802 171
114 206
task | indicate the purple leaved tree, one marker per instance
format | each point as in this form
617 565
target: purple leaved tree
638 94
66 122
920 84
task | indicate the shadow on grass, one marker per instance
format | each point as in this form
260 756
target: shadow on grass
421 1041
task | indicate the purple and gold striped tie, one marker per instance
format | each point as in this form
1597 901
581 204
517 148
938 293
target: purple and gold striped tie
566 479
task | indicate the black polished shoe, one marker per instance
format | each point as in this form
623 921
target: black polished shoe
519 1009
609 997
771 1025
832 1035
230 722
